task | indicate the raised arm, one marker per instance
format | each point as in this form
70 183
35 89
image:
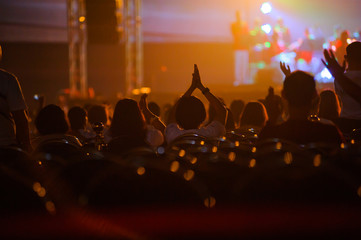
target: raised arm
151 118
337 72
221 110
285 69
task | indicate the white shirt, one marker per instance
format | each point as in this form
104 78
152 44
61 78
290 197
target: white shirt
351 109
11 100
214 129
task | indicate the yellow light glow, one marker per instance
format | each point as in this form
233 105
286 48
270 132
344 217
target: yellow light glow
254 149
214 149
352 141
252 163
140 171
202 143
81 19
36 187
232 156
317 160
42 192
188 175
50 207
236 143
194 160
145 90
136 91
287 158
174 166
182 153
210 202
279 146
342 146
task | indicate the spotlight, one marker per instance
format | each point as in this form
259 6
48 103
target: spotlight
267 28
326 74
266 8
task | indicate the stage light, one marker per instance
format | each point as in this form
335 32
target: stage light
326 74
266 28
266 8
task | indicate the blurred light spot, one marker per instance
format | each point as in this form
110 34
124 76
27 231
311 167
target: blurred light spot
266 8
194 160
136 91
201 143
87 154
342 146
236 143
223 138
356 34
210 202
188 175
214 149
278 145
182 153
145 90
333 48
140 171
288 158
349 41
37 187
42 192
40 163
161 150
81 19
317 160
267 28
352 141
50 207
326 74
325 46
232 156
252 163
254 149
174 166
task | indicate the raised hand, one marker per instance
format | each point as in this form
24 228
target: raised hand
143 105
285 69
332 64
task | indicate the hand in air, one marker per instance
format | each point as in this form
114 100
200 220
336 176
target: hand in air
196 81
332 64
143 105
285 69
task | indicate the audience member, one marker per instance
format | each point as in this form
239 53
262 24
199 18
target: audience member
299 90
236 109
189 113
52 125
14 126
154 108
129 128
329 106
78 121
253 118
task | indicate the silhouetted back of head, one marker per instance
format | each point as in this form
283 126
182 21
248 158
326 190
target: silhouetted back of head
354 52
154 108
329 105
190 112
299 89
77 118
255 114
51 120
128 120
97 113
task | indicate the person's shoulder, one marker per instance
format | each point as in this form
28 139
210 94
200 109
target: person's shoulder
7 75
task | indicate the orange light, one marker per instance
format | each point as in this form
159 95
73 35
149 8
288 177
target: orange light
210 202
81 19
140 171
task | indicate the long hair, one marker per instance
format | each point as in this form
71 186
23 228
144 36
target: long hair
128 120
329 107
254 113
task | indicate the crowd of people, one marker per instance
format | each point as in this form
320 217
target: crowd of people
85 140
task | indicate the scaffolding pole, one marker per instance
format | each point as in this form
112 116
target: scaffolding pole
77 40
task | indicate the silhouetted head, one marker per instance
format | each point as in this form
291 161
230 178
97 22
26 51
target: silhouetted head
154 108
190 112
128 120
255 114
97 113
353 56
77 118
329 107
51 120
299 89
